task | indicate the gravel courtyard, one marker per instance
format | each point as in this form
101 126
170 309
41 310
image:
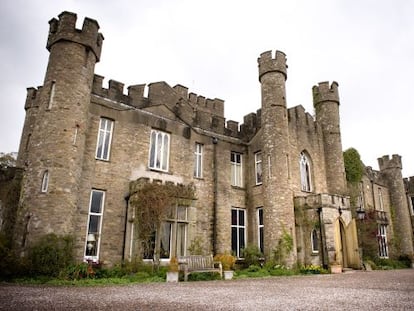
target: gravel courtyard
377 290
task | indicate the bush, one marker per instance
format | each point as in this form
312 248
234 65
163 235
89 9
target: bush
51 255
252 255
9 263
312 269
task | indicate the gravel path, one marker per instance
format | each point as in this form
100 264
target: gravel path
377 290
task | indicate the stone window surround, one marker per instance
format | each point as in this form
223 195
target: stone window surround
96 234
258 168
159 150
104 139
236 161
198 160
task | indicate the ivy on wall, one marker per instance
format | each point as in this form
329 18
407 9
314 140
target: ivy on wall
354 168
153 202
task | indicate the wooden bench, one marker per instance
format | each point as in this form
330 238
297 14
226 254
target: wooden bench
198 263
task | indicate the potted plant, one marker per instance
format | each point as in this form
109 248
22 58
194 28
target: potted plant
173 271
227 262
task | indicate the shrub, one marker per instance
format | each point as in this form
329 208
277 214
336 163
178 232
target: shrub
50 255
226 260
252 255
312 269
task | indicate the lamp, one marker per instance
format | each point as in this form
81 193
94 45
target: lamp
90 239
360 213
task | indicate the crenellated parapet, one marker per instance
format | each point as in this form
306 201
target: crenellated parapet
32 98
323 92
409 185
64 29
390 163
269 64
300 118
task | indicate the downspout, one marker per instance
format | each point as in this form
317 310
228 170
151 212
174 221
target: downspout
125 228
373 194
215 188
324 250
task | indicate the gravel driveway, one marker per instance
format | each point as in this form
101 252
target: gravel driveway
377 290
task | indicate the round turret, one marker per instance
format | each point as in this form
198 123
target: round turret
54 153
278 212
326 103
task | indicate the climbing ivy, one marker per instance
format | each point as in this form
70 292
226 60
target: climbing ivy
153 202
354 168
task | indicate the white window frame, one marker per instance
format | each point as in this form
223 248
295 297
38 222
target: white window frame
260 230
258 168
159 151
305 173
94 238
382 241
238 228
314 237
103 143
45 181
198 160
236 161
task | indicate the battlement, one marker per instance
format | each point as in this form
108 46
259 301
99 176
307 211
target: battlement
297 115
158 92
64 29
409 185
31 98
269 64
386 163
323 92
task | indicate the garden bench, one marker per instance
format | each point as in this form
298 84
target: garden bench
198 263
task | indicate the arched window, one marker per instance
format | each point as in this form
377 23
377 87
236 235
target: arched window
305 172
315 241
45 181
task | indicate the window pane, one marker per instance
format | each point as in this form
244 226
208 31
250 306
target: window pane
165 240
234 217
152 150
261 240
241 240
241 217
100 146
165 153
94 224
181 239
96 202
260 216
234 240
182 213
158 151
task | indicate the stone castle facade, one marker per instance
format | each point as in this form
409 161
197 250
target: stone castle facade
278 176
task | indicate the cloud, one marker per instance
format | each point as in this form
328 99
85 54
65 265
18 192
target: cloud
212 48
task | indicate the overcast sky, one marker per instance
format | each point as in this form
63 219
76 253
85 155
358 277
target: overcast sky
212 48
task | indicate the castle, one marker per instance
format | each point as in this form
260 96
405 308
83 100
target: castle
278 177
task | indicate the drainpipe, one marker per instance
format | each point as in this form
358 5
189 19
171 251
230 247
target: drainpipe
215 188
125 228
373 194
324 251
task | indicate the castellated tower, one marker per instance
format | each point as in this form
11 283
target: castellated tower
53 139
278 208
391 171
326 103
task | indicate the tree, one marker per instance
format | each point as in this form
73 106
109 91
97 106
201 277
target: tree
7 160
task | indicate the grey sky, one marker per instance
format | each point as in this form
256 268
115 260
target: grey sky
212 48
